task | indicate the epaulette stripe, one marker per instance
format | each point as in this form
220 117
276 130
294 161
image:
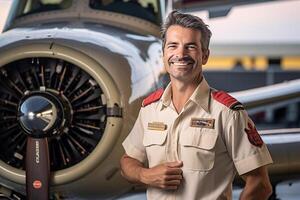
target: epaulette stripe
227 100
153 97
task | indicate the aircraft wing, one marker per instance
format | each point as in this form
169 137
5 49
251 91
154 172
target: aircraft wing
216 8
273 95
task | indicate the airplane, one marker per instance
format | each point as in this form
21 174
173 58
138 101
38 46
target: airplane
73 74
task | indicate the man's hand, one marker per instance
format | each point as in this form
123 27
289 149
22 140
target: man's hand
166 176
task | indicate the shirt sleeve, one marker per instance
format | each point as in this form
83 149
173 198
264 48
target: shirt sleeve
133 143
244 143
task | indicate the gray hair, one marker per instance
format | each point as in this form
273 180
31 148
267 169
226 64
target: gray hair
186 21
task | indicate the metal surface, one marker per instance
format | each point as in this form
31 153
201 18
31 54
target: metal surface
269 96
284 148
37 114
212 5
81 10
38 168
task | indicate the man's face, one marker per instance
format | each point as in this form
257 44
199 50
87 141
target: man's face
183 56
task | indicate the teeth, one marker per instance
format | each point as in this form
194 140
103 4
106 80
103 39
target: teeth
181 64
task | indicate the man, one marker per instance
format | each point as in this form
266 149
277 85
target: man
190 140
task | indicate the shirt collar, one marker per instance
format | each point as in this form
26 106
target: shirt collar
167 96
201 95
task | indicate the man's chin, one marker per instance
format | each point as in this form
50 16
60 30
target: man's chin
179 76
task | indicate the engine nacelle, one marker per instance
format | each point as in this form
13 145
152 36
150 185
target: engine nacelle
97 82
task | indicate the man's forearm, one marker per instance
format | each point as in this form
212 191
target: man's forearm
131 169
259 192
257 185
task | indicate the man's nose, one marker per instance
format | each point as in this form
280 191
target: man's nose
181 52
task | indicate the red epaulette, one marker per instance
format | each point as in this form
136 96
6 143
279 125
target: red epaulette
153 97
227 100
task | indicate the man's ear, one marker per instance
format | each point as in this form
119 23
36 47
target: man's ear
205 56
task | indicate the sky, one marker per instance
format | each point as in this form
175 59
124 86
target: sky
269 22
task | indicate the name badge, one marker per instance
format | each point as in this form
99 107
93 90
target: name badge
203 123
157 126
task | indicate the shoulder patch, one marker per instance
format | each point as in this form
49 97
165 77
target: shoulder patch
253 136
153 97
227 100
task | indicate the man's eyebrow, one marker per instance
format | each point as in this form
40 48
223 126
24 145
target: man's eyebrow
172 43
191 43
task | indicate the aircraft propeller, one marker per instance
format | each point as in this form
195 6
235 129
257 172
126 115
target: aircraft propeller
52 117
40 114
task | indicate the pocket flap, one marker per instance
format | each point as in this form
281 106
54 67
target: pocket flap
152 137
199 138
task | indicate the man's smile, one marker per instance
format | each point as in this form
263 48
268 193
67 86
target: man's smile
181 61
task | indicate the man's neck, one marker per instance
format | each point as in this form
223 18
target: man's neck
181 92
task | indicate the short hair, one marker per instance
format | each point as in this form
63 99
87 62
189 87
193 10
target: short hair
186 21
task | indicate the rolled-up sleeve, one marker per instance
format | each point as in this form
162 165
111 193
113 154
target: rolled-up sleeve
133 144
246 152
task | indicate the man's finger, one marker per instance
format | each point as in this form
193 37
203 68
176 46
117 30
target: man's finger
174 171
173 177
171 187
173 182
176 164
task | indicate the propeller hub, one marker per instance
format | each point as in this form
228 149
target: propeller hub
40 115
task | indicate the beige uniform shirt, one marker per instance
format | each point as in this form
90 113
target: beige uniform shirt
207 136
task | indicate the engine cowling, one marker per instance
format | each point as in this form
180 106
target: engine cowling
89 120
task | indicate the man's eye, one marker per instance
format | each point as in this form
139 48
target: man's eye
172 46
191 47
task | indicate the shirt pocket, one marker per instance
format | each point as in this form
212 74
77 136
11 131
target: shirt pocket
155 144
197 148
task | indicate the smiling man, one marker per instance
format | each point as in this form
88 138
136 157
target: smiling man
190 140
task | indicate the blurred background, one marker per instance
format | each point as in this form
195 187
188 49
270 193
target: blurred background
262 43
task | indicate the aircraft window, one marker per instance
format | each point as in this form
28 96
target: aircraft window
145 9
37 6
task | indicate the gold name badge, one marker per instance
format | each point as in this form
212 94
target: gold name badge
203 123
157 126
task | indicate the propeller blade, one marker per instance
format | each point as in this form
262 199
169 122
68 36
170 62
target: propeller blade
37 169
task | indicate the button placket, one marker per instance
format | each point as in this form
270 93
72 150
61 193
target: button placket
172 117
175 139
